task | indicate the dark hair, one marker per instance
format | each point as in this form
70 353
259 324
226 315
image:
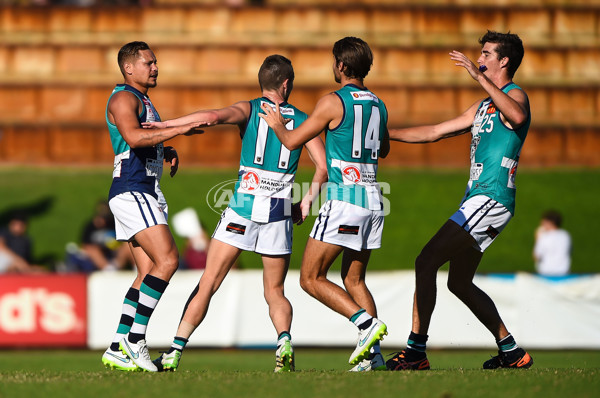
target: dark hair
356 56
19 215
130 51
553 216
274 70
509 45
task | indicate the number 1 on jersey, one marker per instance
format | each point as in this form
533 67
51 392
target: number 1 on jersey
261 144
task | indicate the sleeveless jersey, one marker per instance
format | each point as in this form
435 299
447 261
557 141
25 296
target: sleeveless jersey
352 149
136 169
495 150
263 191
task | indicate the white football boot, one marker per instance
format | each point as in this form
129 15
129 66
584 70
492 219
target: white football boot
116 360
367 339
138 353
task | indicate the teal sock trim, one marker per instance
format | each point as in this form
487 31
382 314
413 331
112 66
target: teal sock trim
147 290
507 344
358 313
141 319
417 342
123 329
134 304
180 341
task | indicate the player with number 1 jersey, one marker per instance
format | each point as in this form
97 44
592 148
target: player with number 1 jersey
267 168
260 214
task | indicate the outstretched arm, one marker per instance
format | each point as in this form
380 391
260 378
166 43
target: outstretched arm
325 111
316 151
435 132
514 106
123 112
234 114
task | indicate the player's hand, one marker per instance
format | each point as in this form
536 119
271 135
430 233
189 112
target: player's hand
154 125
461 60
172 157
297 214
300 211
194 128
272 116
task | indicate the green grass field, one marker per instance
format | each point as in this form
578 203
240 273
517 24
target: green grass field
421 201
321 373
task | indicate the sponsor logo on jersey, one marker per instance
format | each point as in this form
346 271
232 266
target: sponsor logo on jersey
150 116
282 110
364 96
250 181
153 168
511 165
351 173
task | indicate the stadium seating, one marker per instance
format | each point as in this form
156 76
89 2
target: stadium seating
58 66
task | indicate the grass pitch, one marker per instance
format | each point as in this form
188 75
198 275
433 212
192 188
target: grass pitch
320 373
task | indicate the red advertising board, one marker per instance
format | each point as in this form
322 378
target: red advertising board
43 310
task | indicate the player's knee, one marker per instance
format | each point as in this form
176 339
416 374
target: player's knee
351 283
307 284
422 265
171 262
274 294
456 287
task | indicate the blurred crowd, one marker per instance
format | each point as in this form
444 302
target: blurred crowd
97 248
16 247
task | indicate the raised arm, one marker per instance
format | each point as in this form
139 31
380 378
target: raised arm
327 109
514 106
435 132
123 109
316 151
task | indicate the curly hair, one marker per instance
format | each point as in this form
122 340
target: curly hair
509 45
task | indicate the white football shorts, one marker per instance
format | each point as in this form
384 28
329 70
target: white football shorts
136 211
483 218
351 226
271 238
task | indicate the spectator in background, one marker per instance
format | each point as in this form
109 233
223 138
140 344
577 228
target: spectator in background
187 225
99 250
16 247
552 250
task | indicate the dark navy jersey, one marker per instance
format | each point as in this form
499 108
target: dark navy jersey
135 169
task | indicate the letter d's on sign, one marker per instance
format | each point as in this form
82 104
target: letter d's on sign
43 311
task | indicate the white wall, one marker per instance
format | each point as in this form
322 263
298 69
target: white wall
539 312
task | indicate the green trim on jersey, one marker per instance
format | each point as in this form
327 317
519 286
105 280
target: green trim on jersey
261 149
352 147
495 150
119 145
